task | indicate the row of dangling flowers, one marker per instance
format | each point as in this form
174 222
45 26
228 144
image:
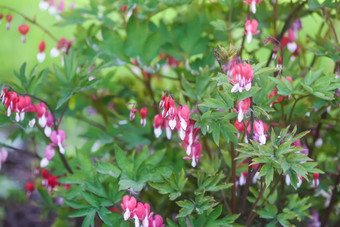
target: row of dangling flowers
20 105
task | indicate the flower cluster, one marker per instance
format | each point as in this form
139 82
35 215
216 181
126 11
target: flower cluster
143 113
23 104
289 40
9 18
63 46
140 212
177 118
53 8
241 76
50 181
259 130
57 138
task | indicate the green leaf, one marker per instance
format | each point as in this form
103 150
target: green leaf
247 94
151 48
81 212
65 96
219 25
187 208
214 103
75 178
215 127
137 33
269 212
103 214
76 205
284 217
229 132
91 199
123 162
21 75
108 168
84 162
156 157
89 219
46 197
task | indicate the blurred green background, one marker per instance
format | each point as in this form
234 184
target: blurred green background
13 52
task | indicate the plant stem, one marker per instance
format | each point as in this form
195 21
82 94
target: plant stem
147 83
275 16
233 176
332 202
270 193
251 174
289 20
63 112
20 150
292 109
62 157
331 25
33 21
244 34
256 202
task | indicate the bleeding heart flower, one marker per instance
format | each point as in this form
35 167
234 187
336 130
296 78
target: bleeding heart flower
58 138
9 18
157 124
133 112
128 205
316 179
242 76
242 108
30 186
41 55
251 29
49 154
143 113
23 29
1 16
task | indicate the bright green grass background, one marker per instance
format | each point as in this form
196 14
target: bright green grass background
13 52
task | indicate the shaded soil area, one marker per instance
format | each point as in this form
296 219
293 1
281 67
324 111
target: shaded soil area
19 167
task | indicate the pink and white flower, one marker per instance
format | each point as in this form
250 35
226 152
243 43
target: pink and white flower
41 55
253 4
242 108
242 77
251 29
58 138
128 205
143 113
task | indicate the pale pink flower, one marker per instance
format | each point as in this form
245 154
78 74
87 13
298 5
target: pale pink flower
251 29
253 4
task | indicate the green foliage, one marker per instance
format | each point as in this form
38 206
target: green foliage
119 60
